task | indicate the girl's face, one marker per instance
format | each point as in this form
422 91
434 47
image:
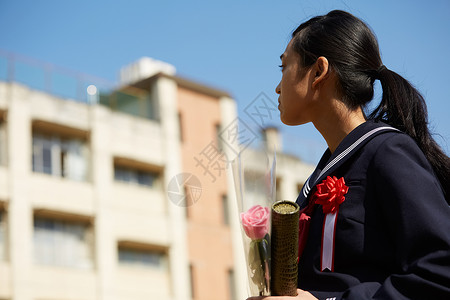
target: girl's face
294 90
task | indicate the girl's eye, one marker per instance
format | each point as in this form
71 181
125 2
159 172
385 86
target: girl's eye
281 66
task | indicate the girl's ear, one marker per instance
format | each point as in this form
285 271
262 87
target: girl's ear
321 69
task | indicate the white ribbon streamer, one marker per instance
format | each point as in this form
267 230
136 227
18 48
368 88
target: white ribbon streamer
329 228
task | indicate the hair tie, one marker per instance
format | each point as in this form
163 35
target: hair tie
379 71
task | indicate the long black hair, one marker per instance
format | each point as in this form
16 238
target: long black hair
352 50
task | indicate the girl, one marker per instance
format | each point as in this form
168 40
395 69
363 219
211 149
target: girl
375 218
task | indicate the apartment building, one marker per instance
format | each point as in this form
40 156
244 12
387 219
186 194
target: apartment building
98 198
83 202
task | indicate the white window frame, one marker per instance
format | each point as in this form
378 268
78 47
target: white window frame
130 175
63 243
137 262
68 157
3 143
3 236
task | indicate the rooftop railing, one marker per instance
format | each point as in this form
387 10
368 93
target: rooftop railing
50 78
75 86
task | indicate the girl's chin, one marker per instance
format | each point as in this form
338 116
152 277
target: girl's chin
290 122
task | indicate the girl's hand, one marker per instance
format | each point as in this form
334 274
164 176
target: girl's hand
301 295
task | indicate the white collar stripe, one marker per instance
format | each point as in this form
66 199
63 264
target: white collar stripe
351 147
306 188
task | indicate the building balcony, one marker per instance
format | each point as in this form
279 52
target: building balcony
57 193
140 214
49 282
136 138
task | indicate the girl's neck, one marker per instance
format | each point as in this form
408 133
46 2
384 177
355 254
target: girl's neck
337 123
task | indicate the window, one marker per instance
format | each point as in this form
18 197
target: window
63 243
231 284
3 147
225 210
2 235
130 103
180 127
278 191
65 157
136 176
187 201
134 101
192 280
142 258
218 132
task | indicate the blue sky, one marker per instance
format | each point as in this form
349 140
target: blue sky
231 45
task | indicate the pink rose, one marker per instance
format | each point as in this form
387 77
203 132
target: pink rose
256 222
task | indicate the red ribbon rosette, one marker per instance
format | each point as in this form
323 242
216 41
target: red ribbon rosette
330 193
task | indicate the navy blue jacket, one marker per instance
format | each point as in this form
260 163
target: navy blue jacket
392 237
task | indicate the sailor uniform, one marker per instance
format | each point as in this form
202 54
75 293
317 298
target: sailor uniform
392 233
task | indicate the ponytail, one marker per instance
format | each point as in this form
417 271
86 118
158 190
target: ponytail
404 108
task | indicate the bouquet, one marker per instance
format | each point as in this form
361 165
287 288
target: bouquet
255 184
